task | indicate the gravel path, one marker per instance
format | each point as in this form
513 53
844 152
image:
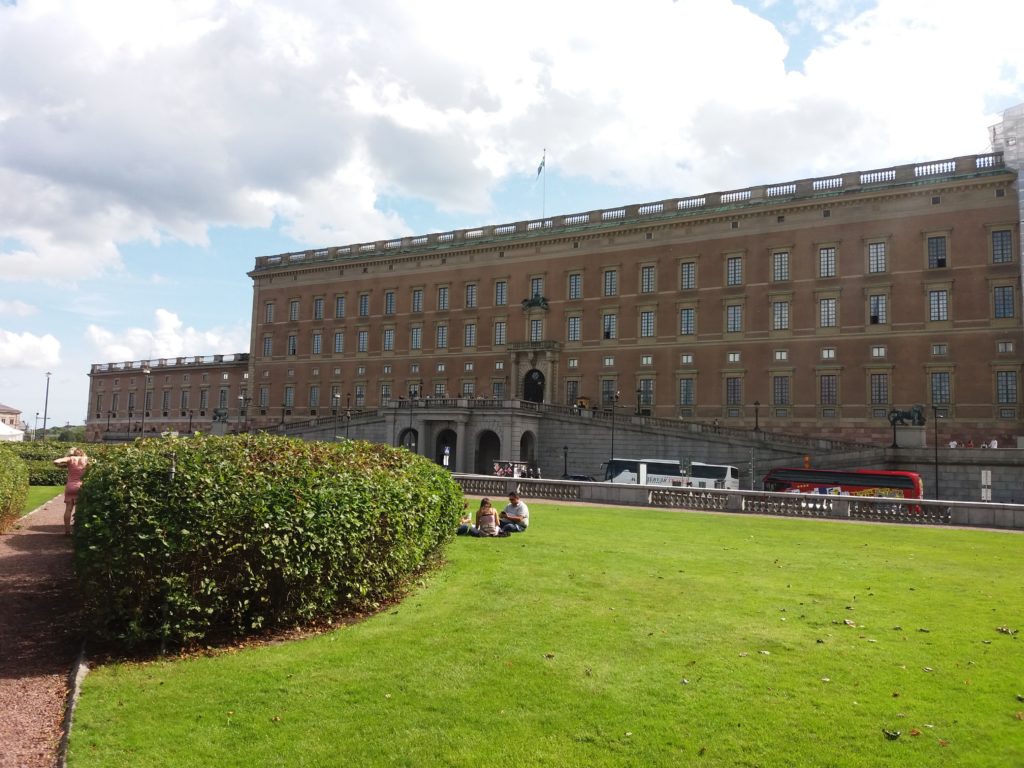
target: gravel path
37 648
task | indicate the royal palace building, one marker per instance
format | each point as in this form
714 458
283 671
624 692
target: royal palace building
811 307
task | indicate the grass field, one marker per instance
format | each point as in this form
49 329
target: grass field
39 495
617 637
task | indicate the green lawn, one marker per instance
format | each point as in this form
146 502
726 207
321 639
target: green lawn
618 637
39 495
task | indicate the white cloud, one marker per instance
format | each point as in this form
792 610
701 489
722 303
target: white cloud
168 338
27 350
16 308
124 122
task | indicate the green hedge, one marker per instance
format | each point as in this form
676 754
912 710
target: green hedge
13 488
38 456
203 539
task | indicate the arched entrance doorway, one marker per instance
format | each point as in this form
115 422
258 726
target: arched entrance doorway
445 449
533 386
408 439
488 451
527 449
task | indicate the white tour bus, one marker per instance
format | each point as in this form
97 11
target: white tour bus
714 476
644 472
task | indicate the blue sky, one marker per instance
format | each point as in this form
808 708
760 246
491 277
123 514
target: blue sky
149 152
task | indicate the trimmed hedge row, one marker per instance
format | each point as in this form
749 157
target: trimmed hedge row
38 456
13 488
203 539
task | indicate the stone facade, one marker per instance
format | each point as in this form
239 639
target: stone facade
812 307
183 394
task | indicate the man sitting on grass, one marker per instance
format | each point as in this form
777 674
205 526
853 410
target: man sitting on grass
515 518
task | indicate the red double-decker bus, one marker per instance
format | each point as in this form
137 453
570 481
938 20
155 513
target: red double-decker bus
893 484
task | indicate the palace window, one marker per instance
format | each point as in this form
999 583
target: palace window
647 278
573 329
611 282
780 266
876 257
687 275
647 324
576 286
687 321
1002 297
827 261
1002 246
734 270
937 252
938 305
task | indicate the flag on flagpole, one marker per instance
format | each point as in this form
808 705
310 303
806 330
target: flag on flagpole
541 166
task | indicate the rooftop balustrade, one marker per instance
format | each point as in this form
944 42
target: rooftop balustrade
712 202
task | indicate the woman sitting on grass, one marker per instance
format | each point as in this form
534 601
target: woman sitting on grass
486 520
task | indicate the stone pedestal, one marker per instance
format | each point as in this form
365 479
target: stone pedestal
911 437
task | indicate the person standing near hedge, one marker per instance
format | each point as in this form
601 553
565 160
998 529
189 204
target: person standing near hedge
76 462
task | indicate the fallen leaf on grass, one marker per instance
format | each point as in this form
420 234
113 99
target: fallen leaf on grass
1019 715
549 655
943 743
765 653
915 731
1006 630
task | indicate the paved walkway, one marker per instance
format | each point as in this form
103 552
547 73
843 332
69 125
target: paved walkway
37 648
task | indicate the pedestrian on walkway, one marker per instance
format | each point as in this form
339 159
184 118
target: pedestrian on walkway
76 462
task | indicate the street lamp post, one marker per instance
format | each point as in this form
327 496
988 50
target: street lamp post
892 420
935 417
335 403
145 399
639 394
108 420
46 402
414 395
190 422
565 462
615 403
243 411
757 409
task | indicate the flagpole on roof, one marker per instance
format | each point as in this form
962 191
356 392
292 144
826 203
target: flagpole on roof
544 184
